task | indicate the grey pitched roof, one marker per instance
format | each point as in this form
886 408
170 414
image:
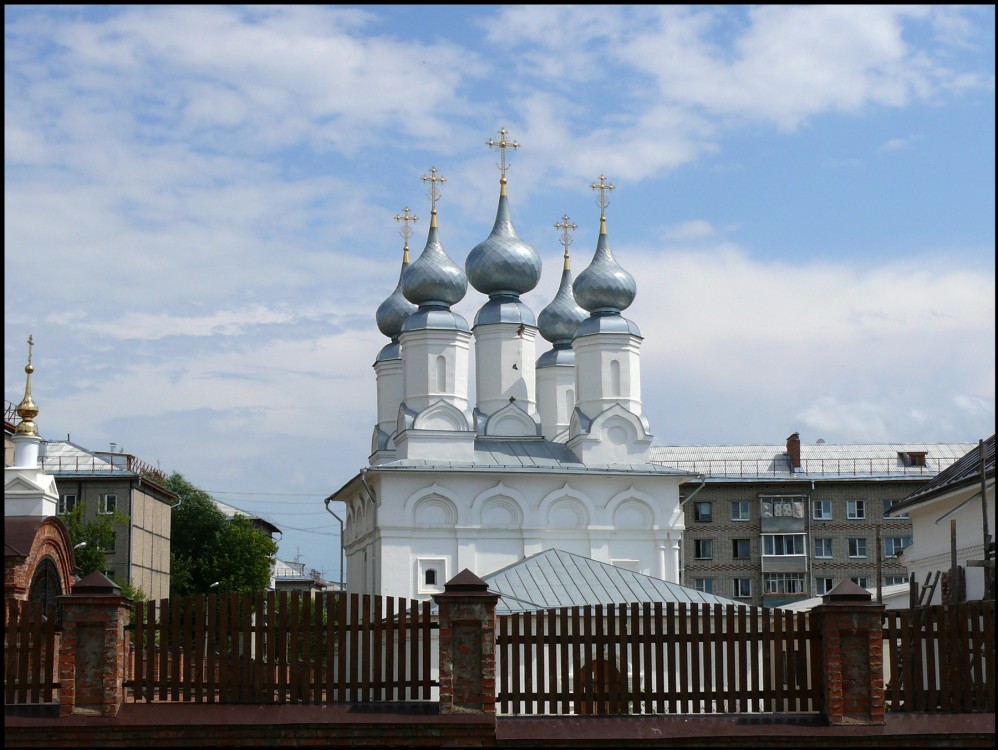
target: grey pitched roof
555 578
964 472
825 460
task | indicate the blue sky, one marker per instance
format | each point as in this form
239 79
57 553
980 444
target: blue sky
199 207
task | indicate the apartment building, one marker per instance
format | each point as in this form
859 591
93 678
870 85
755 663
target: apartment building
774 524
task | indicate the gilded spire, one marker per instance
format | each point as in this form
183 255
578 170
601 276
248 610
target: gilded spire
406 230
566 238
604 187
433 193
27 410
502 144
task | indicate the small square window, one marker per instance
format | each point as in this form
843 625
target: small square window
743 587
703 549
741 548
739 510
855 510
432 574
702 512
822 510
823 585
107 504
66 504
823 548
894 544
857 548
706 585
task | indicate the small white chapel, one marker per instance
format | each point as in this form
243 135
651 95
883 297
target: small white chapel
554 452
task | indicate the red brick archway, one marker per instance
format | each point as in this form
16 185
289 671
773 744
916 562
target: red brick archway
38 558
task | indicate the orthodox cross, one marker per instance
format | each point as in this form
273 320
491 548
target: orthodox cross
406 230
502 144
434 194
31 343
566 238
603 186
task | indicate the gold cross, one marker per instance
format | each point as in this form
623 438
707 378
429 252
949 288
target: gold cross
502 144
434 193
566 239
31 343
406 230
603 186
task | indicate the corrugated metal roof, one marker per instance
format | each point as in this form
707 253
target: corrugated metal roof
819 459
555 578
967 470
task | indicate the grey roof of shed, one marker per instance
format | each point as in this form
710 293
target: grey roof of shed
555 578
966 471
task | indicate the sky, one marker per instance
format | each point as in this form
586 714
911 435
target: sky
199 225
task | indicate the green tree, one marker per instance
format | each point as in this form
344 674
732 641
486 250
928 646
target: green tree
206 546
91 537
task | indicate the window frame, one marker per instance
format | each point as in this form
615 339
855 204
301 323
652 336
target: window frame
854 544
771 581
737 508
735 547
737 584
824 504
698 549
699 517
826 541
704 585
102 503
905 543
855 510
769 543
819 585
888 504
62 508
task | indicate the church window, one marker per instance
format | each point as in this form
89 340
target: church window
441 373
430 577
614 378
569 402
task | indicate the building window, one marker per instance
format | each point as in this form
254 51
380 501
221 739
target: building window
887 509
894 544
743 587
823 548
740 548
857 547
430 577
823 585
895 580
855 510
702 512
107 504
783 583
822 510
783 544
859 581
740 510
703 549
706 585
431 572
66 503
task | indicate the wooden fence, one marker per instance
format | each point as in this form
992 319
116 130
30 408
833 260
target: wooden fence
30 653
657 659
940 658
287 647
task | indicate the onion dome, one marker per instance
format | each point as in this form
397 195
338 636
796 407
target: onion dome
27 410
605 286
503 263
434 280
396 308
559 320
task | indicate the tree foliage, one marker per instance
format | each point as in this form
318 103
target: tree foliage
206 546
92 537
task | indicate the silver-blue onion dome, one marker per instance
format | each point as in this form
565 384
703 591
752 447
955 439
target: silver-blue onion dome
559 320
604 287
434 279
503 263
396 308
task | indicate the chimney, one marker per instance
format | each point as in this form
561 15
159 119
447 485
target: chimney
793 450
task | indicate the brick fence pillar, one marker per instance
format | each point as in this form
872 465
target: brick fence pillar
467 645
852 655
94 650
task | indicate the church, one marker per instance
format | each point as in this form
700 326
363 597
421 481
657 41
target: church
552 454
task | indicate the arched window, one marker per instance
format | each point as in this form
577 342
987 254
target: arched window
430 577
614 377
569 402
441 374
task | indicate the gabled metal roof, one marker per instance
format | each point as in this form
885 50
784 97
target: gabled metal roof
825 460
965 471
555 578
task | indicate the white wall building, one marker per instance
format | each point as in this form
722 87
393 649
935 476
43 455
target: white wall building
553 451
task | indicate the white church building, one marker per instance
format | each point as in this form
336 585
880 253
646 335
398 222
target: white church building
552 454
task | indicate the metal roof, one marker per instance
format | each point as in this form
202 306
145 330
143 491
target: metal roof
555 578
965 471
826 460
